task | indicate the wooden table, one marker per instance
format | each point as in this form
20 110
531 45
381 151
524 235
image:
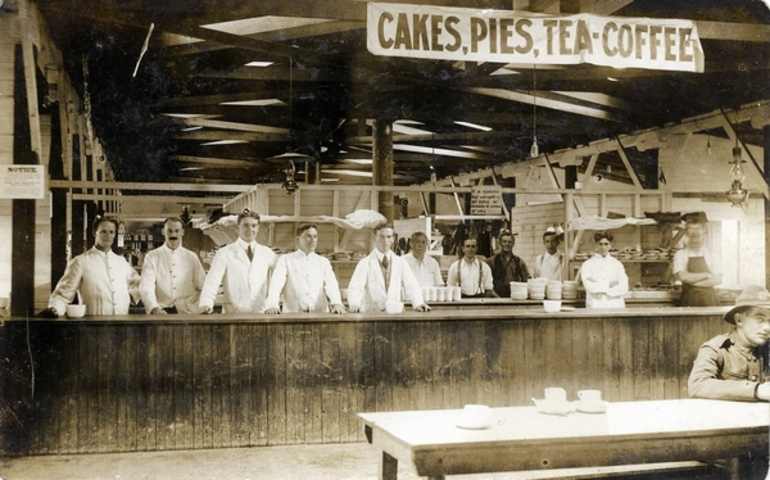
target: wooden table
522 439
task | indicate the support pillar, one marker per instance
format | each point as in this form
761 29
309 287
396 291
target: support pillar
23 221
766 175
382 164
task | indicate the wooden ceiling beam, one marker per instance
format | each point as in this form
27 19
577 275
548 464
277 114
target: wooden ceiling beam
564 106
241 127
209 135
212 161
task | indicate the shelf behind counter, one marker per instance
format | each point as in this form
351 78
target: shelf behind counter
171 382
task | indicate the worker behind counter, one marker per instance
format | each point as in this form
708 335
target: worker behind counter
693 267
473 276
548 264
105 281
304 279
172 276
603 276
507 267
242 268
380 276
425 268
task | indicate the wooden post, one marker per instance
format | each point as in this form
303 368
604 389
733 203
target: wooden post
23 237
382 164
766 170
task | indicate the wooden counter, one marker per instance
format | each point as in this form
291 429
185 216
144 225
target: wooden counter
143 383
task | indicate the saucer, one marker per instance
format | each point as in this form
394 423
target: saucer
553 408
472 426
583 407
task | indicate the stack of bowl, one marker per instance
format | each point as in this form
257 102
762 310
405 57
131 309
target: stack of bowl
536 288
569 290
553 290
519 290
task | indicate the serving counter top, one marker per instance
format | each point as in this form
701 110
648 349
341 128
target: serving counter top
474 309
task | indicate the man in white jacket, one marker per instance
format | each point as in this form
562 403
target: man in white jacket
242 268
380 276
172 276
305 279
105 281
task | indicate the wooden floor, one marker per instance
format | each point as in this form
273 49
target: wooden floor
351 461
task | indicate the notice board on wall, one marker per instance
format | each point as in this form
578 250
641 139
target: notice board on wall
22 181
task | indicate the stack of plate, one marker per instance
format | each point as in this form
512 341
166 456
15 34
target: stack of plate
519 290
569 290
553 290
536 288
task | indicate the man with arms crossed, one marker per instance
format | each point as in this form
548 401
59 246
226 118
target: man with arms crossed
172 276
242 268
305 279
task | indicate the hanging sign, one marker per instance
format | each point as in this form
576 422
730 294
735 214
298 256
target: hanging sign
22 181
486 200
503 36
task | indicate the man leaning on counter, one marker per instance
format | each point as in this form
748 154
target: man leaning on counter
172 276
104 280
242 268
304 279
380 276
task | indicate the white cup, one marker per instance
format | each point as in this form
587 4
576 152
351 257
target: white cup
431 294
590 396
457 293
555 395
440 294
476 416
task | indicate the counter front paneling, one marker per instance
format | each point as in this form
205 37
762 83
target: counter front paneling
147 383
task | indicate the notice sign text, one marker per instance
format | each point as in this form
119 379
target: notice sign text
486 200
500 36
22 181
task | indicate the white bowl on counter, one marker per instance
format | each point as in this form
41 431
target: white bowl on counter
552 306
393 307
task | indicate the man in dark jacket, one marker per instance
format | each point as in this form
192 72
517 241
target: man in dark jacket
507 267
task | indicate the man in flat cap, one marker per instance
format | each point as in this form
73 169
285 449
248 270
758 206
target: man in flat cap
734 365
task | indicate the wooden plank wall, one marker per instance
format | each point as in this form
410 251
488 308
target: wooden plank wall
107 387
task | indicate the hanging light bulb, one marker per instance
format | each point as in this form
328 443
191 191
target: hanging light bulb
737 195
534 151
736 171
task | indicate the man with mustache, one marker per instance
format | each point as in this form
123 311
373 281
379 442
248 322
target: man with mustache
172 276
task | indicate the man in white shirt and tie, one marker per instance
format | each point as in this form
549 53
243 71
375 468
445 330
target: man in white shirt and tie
380 276
242 268
425 268
172 276
305 279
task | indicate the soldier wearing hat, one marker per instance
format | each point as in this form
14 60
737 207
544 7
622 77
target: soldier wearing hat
734 365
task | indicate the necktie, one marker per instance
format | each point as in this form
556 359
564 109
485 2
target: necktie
250 253
385 270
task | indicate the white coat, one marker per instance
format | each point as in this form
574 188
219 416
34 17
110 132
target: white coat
106 283
367 285
244 283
